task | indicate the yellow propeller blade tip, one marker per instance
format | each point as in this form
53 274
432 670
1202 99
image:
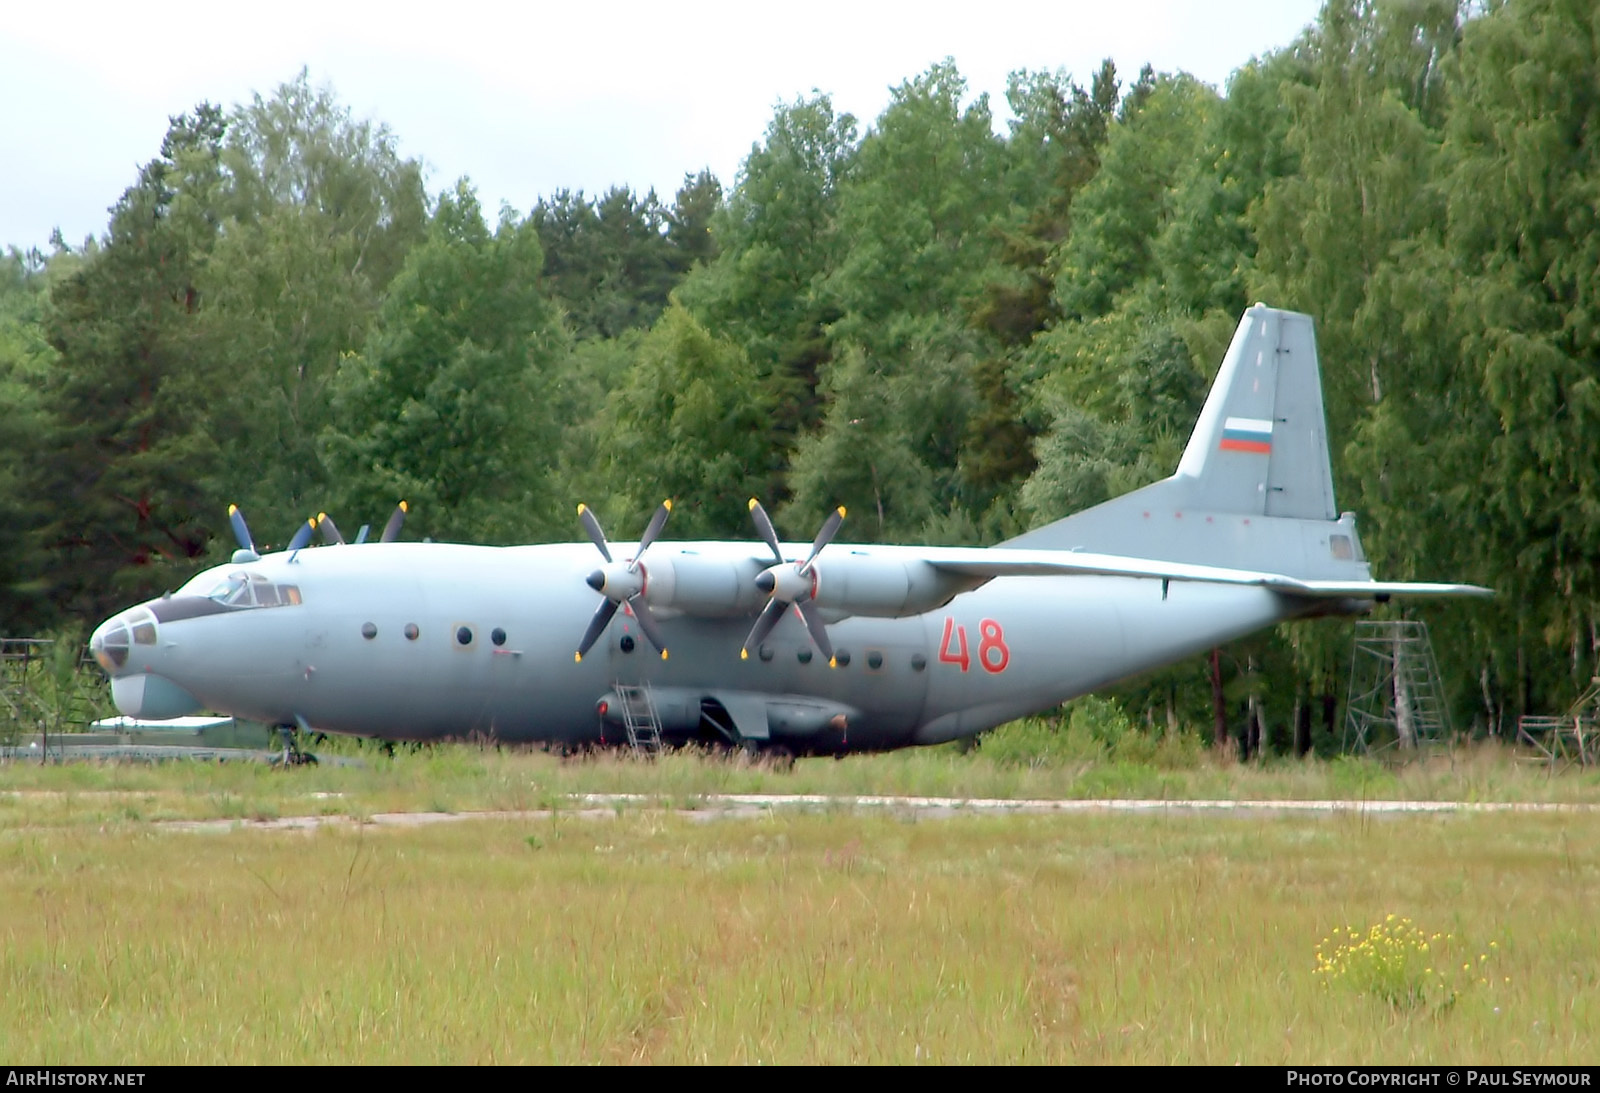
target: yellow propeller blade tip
577 658
744 654
842 513
753 504
321 516
232 509
667 504
404 507
833 662
310 523
663 654
582 508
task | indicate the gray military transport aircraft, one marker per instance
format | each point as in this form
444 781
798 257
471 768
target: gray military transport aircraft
791 649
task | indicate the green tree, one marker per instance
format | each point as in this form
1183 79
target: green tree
320 213
26 358
1118 217
777 239
690 422
1053 149
444 407
610 263
127 458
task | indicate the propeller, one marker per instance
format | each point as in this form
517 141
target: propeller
303 534
241 531
621 582
790 584
391 530
330 530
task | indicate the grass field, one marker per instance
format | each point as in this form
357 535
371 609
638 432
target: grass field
660 935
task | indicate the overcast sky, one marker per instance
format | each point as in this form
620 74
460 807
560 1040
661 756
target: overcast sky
527 98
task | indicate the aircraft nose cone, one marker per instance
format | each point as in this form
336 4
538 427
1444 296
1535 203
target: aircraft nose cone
109 645
596 580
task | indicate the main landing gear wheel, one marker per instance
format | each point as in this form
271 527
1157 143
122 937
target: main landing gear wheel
293 755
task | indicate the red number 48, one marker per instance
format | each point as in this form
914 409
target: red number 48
993 653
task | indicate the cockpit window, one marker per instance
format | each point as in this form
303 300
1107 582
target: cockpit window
144 627
242 589
234 591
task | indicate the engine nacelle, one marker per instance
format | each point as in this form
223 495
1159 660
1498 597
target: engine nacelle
699 585
867 584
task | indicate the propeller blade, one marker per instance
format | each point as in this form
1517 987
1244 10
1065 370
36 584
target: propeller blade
597 625
592 526
830 528
240 531
819 633
329 531
647 623
391 530
764 526
302 536
361 533
657 522
758 633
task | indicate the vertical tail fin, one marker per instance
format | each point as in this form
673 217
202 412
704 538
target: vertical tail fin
1261 444
1254 489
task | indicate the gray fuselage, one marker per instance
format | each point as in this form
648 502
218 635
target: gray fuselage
494 630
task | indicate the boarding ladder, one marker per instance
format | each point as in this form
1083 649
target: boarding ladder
638 709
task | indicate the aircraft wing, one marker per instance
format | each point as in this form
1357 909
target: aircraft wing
1001 562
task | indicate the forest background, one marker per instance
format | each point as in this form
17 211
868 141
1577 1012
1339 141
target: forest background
956 331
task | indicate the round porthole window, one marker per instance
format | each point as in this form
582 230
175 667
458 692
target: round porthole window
498 636
874 660
918 661
626 644
464 635
765 652
369 630
841 658
411 631
804 656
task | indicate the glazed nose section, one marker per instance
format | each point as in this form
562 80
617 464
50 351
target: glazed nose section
109 645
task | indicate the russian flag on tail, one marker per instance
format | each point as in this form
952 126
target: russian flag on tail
1247 434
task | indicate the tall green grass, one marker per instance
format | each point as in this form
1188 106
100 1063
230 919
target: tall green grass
796 938
1021 761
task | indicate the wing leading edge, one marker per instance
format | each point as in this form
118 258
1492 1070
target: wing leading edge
1001 562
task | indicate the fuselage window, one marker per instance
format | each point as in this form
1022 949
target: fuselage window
369 630
874 660
804 656
841 658
464 636
411 631
144 633
290 594
498 636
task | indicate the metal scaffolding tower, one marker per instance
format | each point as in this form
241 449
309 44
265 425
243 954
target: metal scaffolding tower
1396 697
1573 737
